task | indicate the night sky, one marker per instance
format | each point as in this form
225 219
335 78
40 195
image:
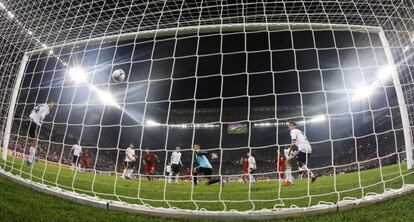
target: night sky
251 78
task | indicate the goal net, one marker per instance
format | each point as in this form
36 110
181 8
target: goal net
227 76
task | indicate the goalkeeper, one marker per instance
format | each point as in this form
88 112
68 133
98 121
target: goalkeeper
300 149
204 166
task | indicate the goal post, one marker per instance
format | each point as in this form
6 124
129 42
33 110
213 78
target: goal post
408 137
355 165
12 106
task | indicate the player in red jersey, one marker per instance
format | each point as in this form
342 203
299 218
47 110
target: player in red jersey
149 162
281 164
187 176
245 163
85 159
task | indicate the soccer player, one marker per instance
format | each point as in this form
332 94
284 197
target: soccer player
288 167
252 166
168 172
129 162
149 162
85 160
176 163
204 166
32 153
281 164
76 152
245 163
300 149
37 115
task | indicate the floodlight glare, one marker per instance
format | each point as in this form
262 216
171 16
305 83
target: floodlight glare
77 74
362 93
108 99
151 122
386 72
319 118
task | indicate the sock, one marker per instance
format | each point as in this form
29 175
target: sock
307 170
289 177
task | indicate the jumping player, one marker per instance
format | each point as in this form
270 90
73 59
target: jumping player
176 164
300 149
203 166
129 163
37 115
149 162
76 152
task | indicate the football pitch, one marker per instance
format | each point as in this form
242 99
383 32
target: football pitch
231 196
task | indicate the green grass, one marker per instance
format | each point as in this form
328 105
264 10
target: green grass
234 195
18 203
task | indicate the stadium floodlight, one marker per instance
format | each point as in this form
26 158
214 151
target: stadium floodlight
144 39
77 75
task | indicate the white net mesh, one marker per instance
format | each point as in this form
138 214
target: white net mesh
227 75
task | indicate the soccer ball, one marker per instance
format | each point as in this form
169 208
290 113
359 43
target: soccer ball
118 75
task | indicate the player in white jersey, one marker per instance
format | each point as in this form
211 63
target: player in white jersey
300 149
252 166
32 154
37 115
129 163
288 167
176 163
76 153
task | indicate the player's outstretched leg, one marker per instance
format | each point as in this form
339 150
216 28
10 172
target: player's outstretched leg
195 173
289 177
312 176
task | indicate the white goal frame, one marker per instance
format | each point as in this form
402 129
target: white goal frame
180 213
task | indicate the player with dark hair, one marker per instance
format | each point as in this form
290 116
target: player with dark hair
149 160
300 149
37 115
203 166
176 164
129 162
76 152
252 166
